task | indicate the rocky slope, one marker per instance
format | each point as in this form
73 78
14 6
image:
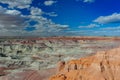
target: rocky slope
19 56
105 65
32 53
29 75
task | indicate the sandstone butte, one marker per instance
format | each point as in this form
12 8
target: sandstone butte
104 65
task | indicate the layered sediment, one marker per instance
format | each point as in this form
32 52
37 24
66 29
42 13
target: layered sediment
105 65
20 58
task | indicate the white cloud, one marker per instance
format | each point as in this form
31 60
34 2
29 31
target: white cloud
36 11
46 27
14 23
89 26
111 28
45 24
13 12
53 14
17 3
88 1
49 2
114 18
9 11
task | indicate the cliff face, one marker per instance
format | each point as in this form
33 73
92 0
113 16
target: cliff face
102 66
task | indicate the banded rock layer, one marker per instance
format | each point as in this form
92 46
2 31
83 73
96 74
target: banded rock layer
105 65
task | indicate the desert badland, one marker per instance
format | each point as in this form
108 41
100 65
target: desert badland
60 58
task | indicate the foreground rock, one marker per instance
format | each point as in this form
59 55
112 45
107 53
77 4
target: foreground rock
102 66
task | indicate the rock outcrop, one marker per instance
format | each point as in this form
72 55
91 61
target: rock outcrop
105 65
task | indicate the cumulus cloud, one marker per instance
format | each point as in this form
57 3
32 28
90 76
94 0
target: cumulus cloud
9 11
14 23
49 2
114 18
13 12
39 12
88 1
15 26
36 11
45 24
17 3
89 26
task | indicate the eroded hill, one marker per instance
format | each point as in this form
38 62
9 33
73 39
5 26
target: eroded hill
43 54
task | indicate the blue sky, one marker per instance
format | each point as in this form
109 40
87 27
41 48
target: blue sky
59 18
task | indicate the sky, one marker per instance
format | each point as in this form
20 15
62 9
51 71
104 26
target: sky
47 18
